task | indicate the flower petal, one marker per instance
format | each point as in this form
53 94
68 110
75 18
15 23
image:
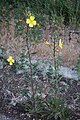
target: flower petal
11 63
30 25
28 21
34 22
10 58
60 43
13 60
47 43
32 18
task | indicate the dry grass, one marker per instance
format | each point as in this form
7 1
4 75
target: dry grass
13 46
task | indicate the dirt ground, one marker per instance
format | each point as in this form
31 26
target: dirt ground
12 84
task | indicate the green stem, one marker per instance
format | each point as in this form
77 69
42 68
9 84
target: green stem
55 67
54 55
31 73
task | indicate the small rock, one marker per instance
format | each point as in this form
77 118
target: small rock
68 73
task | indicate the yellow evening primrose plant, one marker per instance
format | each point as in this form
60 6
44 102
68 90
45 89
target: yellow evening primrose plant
60 43
10 60
31 21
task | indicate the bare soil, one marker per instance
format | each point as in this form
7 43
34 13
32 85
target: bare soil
12 84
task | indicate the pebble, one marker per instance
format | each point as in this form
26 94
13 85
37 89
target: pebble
68 73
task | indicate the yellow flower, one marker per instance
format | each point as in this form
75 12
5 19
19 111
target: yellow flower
31 21
60 43
10 60
47 43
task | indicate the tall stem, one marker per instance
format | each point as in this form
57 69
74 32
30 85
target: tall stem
31 72
54 55
55 67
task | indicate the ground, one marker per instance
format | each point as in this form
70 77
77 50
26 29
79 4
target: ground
13 84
